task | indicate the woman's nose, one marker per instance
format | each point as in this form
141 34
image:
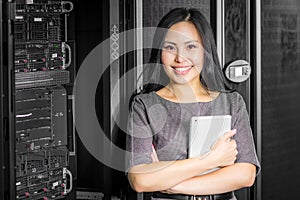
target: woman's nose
179 58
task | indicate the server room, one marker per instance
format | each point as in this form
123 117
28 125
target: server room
92 109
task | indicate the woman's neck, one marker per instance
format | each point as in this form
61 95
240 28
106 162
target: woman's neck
186 93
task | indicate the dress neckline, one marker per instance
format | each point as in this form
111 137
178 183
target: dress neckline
196 102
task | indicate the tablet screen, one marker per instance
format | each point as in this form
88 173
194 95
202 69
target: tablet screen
204 132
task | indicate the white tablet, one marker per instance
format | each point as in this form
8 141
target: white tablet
204 132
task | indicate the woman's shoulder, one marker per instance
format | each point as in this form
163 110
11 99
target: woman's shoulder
145 98
234 95
236 100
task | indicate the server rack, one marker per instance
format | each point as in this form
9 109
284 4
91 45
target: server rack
38 77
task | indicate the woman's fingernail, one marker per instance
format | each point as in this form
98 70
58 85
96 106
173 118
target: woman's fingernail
233 130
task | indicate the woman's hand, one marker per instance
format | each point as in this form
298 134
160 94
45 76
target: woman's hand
224 151
153 155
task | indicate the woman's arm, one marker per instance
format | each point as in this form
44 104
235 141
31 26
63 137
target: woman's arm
223 180
163 175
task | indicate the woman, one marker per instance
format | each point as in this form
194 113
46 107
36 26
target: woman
160 116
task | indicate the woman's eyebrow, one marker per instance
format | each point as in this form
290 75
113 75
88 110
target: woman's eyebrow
187 42
170 42
191 41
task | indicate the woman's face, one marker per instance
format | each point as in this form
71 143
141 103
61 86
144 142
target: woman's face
182 53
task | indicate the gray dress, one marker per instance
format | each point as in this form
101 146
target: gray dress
165 124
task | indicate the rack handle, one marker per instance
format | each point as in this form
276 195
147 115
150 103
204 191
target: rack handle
63 3
69 55
67 172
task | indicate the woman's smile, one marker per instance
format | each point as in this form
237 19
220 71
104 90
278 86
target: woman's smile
182 70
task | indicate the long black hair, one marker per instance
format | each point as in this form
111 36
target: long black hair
211 77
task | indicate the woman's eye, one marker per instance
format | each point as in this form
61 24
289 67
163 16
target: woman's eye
169 47
191 46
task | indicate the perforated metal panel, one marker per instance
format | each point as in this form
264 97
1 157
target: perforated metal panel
280 99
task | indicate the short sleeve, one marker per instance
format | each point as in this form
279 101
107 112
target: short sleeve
244 136
139 135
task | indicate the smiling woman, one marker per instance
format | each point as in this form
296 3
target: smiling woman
182 58
191 84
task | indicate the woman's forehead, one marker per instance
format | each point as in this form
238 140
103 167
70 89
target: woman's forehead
183 32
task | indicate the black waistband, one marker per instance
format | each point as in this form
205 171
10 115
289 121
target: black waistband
224 196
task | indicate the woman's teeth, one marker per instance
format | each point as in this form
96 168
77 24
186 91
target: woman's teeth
181 69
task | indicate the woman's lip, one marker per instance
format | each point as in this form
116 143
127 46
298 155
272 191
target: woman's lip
182 69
